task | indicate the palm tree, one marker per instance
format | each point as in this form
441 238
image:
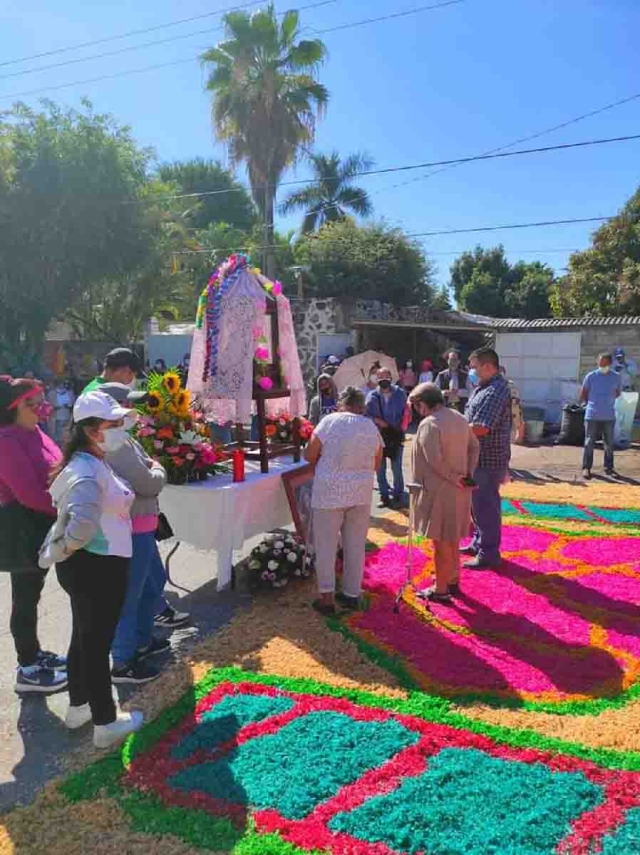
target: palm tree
266 100
332 195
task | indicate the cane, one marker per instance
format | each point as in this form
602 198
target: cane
413 491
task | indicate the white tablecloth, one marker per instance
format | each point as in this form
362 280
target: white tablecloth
219 515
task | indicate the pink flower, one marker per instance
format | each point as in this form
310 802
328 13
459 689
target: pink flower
146 431
174 449
277 288
261 354
265 383
157 444
208 455
257 333
191 457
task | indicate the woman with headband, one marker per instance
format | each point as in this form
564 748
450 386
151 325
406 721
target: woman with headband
27 456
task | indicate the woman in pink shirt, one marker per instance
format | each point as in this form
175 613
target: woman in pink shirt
27 456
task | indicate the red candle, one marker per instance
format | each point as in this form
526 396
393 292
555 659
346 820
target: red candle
238 466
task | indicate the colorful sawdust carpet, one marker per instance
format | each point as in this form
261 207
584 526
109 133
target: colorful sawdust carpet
555 628
556 511
272 766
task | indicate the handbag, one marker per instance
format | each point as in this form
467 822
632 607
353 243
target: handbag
163 530
392 437
22 533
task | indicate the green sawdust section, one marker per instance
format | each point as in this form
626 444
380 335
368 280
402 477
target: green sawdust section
395 665
200 829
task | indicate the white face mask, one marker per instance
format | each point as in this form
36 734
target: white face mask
604 369
130 420
114 438
409 364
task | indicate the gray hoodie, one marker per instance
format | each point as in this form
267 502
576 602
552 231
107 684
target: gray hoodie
147 478
315 407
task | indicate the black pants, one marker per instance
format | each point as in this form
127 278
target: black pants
97 585
26 589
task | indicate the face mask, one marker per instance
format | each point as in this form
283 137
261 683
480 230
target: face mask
114 438
409 364
384 384
473 375
604 369
373 379
325 392
130 420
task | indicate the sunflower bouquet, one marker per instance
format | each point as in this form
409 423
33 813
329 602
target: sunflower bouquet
172 432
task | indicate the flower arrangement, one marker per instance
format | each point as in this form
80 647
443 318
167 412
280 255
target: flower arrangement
279 557
172 432
280 429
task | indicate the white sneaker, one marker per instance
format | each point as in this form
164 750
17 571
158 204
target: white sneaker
77 716
109 735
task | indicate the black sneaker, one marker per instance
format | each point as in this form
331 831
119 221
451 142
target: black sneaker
468 550
454 589
171 618
348 602
385 502
158 645
134 672
43 680
611 473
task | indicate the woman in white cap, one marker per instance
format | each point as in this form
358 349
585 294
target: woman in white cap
91 546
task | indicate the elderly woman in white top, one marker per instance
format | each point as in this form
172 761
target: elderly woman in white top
347 450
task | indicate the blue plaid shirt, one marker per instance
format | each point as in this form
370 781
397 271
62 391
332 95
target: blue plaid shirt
490 407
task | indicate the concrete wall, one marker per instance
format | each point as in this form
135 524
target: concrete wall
597 339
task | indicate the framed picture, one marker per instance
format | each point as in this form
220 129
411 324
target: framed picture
298 486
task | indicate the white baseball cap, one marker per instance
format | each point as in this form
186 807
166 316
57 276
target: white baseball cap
98 405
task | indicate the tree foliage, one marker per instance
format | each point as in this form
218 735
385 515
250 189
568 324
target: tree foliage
604 279
198 175
484 283
332 195
368 262
266 98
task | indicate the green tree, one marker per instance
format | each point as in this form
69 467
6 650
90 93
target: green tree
198 175
366 262
71 183
485 283
605 278
332 196
266 100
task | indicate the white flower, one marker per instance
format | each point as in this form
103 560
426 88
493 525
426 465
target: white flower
270 538
279 544
308 559
298 572
292 557
264 548
273 565
188 437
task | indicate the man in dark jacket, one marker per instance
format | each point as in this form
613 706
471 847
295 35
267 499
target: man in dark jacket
386 405
453 382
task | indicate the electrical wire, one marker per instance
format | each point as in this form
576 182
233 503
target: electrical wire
387 17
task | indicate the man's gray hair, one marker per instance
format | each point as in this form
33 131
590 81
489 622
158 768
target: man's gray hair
352 398
427 393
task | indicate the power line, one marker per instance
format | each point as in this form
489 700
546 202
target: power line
107 39
197 57
432 234
387 17
479 157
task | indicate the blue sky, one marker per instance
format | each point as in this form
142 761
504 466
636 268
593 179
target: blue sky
440 84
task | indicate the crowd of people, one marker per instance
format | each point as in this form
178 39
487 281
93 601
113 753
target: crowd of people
92 511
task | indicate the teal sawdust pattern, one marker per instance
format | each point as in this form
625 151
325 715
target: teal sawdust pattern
614 515
226 719
300 766
564 512
626 840
470 802
556 512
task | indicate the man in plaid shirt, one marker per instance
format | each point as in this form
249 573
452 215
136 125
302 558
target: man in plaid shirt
489 414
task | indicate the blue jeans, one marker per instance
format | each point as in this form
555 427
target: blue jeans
142 603
398 478
593 429
487 514
221 433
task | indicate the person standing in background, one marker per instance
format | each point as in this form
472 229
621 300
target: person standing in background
120 366
453 382
600 389
386 407
489 414
407 378
27 456
426 372
62 399
325 402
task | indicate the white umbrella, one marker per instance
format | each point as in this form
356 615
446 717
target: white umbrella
355 371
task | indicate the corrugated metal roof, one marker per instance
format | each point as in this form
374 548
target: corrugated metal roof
555 323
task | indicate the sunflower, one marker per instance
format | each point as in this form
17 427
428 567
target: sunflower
171 382
155 402
183 402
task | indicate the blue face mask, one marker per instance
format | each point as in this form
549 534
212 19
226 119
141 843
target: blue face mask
473 375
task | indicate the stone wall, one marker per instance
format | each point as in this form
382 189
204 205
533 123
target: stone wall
608 338
311 317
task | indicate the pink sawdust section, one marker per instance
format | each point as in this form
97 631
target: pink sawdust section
560 620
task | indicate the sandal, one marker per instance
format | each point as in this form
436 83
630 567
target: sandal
454 589
325 609
434 596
